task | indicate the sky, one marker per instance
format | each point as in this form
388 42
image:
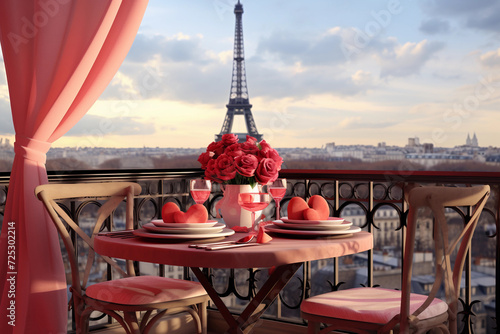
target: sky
318 71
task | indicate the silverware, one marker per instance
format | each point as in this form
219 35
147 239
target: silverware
245 240
217 247
212 244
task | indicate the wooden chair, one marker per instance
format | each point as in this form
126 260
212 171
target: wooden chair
125 297
379 310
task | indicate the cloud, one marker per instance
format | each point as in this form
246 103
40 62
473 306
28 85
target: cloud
490 59
360 123
456 7
3 77
335 46
479 14
98 126
349 122
178 48
175 68
285 65
167 80
285 47
362 78
275 83
435 26
407 59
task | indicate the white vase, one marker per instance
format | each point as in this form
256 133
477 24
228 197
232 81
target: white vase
231 211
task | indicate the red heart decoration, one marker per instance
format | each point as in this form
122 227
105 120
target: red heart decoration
311 214
296 208
319 209
167 212
195 214
315 209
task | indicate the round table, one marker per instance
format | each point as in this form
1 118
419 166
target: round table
285 254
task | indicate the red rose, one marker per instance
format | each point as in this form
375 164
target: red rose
204 158
210 171
273 154
224 167
264 148
267 171
251 139
266 151
246 164
234 151
217 147
229 139
249 147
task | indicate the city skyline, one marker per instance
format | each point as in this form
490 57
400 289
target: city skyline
317 72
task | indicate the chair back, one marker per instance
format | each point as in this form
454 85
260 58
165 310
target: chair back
437 199
113 193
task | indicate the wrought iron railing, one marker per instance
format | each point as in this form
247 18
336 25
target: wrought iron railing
371 199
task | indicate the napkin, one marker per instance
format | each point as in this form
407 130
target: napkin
262 236
240 229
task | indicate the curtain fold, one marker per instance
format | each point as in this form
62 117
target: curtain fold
59 56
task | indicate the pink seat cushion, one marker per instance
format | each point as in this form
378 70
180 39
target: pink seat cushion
144 290
373 305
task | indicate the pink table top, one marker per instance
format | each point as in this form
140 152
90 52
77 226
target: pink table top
277 252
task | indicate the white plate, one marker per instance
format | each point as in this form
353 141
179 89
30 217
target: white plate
316 227
161 223
184 230
330 220
143 233
276 229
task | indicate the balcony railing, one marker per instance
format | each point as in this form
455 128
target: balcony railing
370 199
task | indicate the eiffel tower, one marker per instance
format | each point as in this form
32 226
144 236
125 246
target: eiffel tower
239 103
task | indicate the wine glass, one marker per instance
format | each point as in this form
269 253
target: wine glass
200 190
277 189
253 202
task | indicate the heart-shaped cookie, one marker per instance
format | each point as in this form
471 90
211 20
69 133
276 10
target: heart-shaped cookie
296 208
195 214
315 209
167 212
319 209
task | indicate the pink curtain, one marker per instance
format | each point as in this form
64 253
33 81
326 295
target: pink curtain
59 56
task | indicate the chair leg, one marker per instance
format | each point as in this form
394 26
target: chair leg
131 320
312 327
81 317
202 312
144 320
82 325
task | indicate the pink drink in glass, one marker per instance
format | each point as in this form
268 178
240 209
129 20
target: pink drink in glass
277 193
200 190
253 202
200 195
256 206
277 189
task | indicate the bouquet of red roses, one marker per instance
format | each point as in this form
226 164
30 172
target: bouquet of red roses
230 162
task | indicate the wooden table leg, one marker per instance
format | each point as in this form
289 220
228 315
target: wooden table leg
265 296
257 306
216 299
